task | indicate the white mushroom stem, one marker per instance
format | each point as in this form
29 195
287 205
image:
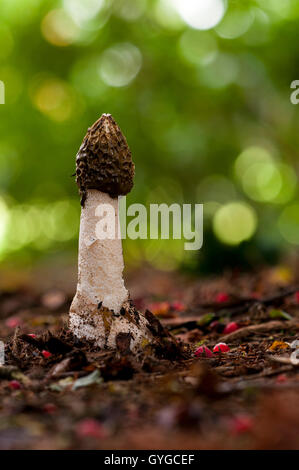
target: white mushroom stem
100 269
101 293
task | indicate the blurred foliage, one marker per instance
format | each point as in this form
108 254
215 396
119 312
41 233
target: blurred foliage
200 88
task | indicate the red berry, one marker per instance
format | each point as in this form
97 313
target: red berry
230 327
179 306
241 424
282 378
49 408
222 297
221 347
255 295
32 335
13 322
46 354
203 351
15 385
89 427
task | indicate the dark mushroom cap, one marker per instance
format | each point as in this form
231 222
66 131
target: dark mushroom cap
104 160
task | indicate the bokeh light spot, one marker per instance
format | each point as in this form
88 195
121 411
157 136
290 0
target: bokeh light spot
262 182
289 184
250 156
263 179
26 225
235 23
234 223
85 77
220 73
198 47
83 11
259 31
288 223
62 221
120 64
54 98
59 29
167 16
129 10
278 8
201 14
89 16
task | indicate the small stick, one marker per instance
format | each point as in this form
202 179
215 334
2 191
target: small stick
260 328
271 372
283 360
15 346
241 305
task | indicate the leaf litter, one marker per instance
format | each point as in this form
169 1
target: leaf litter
78 396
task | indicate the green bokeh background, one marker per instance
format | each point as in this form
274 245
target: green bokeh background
190 102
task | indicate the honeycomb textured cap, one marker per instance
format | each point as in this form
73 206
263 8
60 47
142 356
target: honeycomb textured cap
104 160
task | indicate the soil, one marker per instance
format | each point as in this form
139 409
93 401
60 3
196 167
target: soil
57 392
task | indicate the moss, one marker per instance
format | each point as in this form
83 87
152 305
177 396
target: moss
104 160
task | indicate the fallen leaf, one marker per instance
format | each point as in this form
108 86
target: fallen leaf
280 314
206 319
160 309
294 358
281 275
278 345
295 344
62 384
53 299
91 379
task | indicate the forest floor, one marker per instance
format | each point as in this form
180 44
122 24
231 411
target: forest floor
59 393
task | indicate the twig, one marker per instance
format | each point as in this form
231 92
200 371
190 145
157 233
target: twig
241 305
15 346
261 328
232 309
12 372
283 360
241 386
275 298
271 372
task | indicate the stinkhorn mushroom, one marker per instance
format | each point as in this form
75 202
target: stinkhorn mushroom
101 310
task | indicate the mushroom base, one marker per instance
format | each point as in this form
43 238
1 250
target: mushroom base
103 327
